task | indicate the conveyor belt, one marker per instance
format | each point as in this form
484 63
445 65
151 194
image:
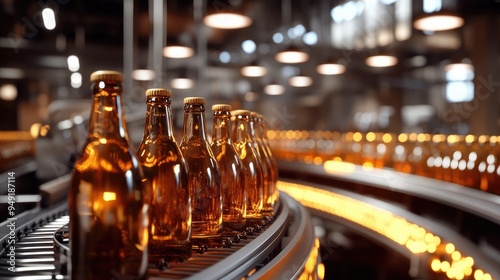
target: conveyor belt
39 254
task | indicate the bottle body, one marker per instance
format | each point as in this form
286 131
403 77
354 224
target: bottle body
107 203
204 176
231 170
266 166
252 170
167 182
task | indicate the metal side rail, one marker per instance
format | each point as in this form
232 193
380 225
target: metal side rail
299 248
236 262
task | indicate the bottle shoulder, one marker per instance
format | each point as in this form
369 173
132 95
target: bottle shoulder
108 156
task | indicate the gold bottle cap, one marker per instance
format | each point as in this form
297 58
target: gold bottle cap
194 100
106 75
158 92
221 107
241 112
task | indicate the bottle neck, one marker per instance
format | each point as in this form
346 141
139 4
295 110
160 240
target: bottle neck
158 118
221 127
252 130
194 122
107 118
241 132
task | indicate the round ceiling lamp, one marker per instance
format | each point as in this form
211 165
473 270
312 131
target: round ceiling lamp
178 51
438 22
381 60
292 55
274 89
300 81
253 71
143 75
182 83
330 68
227 21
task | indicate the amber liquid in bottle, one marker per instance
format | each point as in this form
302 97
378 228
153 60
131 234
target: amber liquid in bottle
231 170
107 205
204 176
167 182
262 128
266 166
252 170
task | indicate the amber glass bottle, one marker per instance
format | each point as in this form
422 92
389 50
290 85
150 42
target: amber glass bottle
266 164
204 176
231 170
167 182
254 184
107 204
262 134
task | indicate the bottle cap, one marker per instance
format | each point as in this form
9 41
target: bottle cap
240 112
158 92
106 75
194 100
221 107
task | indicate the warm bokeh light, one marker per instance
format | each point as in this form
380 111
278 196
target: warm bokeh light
413 237
330 69
438 22
291 56
109 196
274 89
178 51
227 21
381 61
300 81
253 71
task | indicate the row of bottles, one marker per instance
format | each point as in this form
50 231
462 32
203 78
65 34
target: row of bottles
128 209
468 160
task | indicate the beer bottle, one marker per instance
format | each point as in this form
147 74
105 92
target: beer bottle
231 170
252 169
167 182
107 203
262 134
204 176
266 165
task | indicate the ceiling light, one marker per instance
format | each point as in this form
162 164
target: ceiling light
274 89
253 71
8 92
73 63
178 51
227 21
300 81
76 80
291 55
438 22
182 83
278 38
49 18
465 67
249 46
381 60
330 68
310 38
225 57
143 75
